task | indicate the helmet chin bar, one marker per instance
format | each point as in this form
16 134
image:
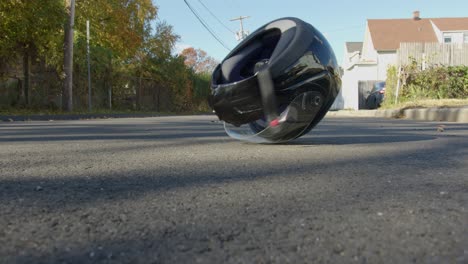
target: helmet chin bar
290 124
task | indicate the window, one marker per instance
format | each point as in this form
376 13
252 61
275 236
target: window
465 38
447 39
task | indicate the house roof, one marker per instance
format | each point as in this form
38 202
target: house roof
452 23
353 46
387 34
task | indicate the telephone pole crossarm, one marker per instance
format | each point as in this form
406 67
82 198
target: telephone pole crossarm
241 34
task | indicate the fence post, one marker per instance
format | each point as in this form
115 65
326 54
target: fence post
452 48
110 97
138 94
398 85
27 75
109 89
423 63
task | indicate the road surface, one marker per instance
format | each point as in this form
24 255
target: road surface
178 190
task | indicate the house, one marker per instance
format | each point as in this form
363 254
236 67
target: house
381 42
352 55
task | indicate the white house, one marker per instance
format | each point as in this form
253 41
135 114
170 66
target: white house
379 49
352 55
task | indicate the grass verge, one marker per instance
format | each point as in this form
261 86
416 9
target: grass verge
427 103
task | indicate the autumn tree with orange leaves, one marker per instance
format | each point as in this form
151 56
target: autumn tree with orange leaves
201 65
198 60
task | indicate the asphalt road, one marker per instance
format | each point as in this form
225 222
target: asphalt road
178 190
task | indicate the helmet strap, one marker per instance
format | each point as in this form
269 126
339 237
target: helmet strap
267 92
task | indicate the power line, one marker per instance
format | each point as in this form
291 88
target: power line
205 25
224 25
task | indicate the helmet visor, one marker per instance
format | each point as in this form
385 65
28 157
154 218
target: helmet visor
291 123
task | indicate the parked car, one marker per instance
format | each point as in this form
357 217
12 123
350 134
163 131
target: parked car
376 95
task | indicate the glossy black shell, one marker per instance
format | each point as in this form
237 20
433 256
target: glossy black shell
301 61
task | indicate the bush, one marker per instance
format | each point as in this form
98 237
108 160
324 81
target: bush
201 86
441 82
390 85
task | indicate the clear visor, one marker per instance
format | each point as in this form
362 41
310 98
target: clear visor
291 123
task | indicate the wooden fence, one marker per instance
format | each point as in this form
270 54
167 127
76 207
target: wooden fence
452 54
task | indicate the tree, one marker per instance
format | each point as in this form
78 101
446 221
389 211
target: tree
153 56
30 28
201 66
119 29
119 25
127 45
198 60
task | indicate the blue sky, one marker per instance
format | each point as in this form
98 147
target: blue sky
340 20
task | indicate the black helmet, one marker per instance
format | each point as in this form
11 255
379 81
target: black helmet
277 84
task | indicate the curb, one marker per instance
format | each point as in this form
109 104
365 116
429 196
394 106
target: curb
456 114
11 118
459 115
393 113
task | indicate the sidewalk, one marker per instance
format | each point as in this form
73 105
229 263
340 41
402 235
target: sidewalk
455 114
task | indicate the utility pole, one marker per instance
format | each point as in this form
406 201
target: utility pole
89 67
240 35
67 102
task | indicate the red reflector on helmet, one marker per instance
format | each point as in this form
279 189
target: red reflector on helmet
274 122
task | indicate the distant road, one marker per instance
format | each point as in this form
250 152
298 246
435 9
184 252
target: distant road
178 190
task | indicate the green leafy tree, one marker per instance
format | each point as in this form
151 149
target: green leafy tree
31 29
119 25
119 33
127 46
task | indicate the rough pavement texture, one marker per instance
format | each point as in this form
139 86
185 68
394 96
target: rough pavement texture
178 190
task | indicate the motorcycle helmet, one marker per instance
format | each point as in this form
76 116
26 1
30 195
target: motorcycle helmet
277 84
